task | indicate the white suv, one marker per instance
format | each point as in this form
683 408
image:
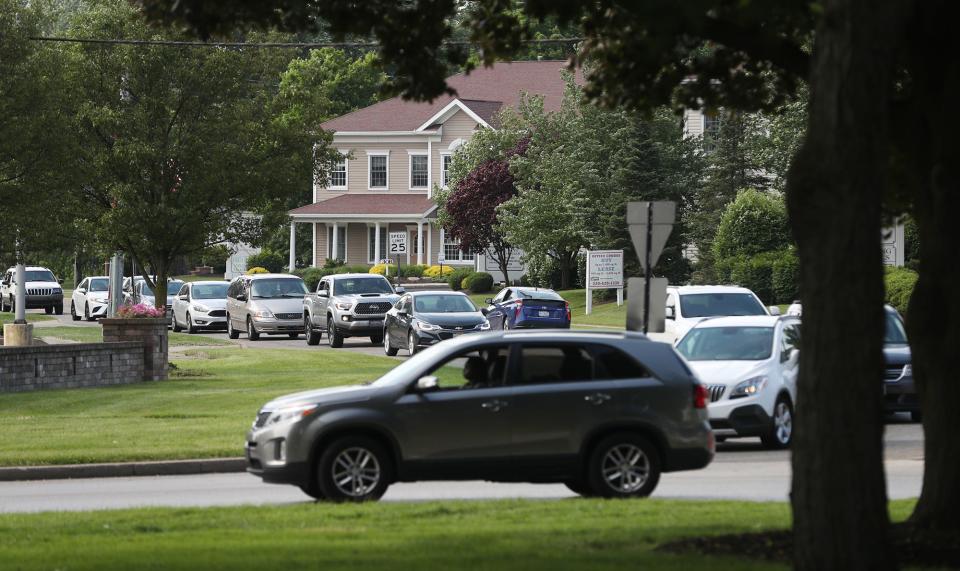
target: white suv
687 305
749 365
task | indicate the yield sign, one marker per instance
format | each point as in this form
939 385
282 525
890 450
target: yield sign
650 221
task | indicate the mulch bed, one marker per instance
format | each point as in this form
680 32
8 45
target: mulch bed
915 547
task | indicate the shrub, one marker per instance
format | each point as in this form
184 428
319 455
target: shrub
455 279
434 271
274 262
257 270
786 277
754 222
755 273
331 263
899 284
478 282
414 271
381 269
311 277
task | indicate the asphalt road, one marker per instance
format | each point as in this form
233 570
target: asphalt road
741 471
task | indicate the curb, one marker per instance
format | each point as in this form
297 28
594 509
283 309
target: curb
123 469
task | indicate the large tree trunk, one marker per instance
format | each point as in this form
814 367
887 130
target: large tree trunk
933 317
833 194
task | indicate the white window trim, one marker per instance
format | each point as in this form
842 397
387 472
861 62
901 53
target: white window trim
346 173
459 261
385 229
443 155
371 154
346 241
412 154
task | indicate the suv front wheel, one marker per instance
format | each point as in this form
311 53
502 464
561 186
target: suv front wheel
780 433
353 469
623 465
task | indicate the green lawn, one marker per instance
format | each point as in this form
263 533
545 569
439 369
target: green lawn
31 317
574 534
95 335
203 411
604 315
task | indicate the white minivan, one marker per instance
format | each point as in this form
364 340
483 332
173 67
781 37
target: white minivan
687 305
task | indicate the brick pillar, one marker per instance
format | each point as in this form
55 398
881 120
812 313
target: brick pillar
151 332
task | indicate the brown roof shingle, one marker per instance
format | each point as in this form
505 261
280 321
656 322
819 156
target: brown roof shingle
485 90
374 204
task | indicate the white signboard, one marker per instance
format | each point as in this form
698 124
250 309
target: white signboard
398 243
605 269
441 257
893 245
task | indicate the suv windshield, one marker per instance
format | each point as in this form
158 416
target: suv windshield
39 276
356 286
719 304
210 291
894 334
272 288
99 284
727 344
443 304
173 286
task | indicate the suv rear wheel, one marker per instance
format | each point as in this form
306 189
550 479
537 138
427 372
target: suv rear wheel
354 469
780 433
311 334
623 465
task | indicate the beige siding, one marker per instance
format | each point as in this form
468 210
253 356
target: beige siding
398 165
459 126
320 246
356 244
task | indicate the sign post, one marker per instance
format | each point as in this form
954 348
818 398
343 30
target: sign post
650 224
604 271
398 247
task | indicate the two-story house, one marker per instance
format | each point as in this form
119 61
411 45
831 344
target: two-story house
395 151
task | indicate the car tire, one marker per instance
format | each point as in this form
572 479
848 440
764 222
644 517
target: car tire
623 465
916 416
3 304
780 433
252 333
579 488
176 324
73 312
412 343
313 491
86 312
377 338
334 338
387 348
337 481
231 332
310 334
191 329
58 309
293 335
48 310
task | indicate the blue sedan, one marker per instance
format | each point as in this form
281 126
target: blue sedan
527 308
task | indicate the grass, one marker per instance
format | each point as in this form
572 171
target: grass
95 335
31 317
203 411
604 315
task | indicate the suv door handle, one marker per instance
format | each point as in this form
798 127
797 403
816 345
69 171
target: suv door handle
597 398
494 405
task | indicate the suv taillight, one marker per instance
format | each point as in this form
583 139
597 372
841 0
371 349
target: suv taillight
700 396
518 309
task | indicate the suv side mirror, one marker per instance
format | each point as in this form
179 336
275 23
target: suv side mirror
401 290
241 297
774 310
184 297
488 301
81 290
427 383
60 281
670 312
323 293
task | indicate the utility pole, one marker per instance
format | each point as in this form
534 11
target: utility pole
20 317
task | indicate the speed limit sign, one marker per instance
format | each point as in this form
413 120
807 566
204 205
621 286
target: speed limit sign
398 243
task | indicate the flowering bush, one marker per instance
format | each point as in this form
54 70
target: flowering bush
434 271
257 270
381 268
140 311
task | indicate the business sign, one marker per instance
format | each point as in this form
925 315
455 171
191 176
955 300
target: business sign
605 269
893 245
398 243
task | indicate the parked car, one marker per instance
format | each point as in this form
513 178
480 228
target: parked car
44 290
546 406
90 297
750 366
687 305
796 308
201 305
265 303
527 307
127 288
348 305
143 293
425 318
899 392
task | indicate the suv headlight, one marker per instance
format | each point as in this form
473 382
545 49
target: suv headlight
290 413
907 370
57 290
424 326
344 306
200 307
749 387
263 314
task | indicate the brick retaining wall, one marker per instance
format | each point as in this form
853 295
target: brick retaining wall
72 365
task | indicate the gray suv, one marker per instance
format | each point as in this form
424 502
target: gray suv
604 413
348 305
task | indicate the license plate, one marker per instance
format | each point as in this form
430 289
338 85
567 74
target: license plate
544 313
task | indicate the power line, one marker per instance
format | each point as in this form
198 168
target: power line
263 45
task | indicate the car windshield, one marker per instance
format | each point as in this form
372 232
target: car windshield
210 291
273 288
538 294
99 284
719 304
173 286
357 286
727 344
894 334
443 304
40 276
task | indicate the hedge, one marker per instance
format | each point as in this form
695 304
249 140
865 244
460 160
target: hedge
312 276
773 276
272 261
786 278
434 271
899 283
478 282
455 279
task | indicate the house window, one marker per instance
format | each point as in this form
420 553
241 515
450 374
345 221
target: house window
341 253
338 175
374 257
452 252
418 171
378 171
712 123
445 173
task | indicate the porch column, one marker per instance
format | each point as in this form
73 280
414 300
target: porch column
429 244
293 246
419 243
336 241
376 243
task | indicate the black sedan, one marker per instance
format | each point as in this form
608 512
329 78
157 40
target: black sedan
425 318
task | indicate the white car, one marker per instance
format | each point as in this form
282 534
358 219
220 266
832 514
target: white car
749 365
687 305
89 299
201 305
